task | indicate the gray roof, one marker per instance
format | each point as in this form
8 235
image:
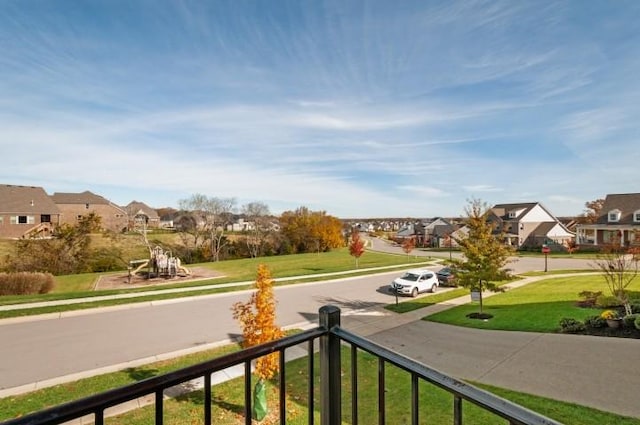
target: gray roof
627 203
136 207
25 200
502 210
85 197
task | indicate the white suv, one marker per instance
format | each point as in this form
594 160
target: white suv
414 282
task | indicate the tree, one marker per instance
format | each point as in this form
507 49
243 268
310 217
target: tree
484 253
308 231
257 213
210 218
408 244
619 267
257 319
592 210
67 252
356 245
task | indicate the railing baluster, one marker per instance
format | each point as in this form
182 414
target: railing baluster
354 385
331 410
311 375
99 417
382 420
457 410
207 399
414 399
247 392
159 406
283 390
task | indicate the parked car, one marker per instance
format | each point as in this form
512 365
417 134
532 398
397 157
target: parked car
446 277
415 281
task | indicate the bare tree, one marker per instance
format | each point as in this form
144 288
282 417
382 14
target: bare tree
619 267
211 215
257 214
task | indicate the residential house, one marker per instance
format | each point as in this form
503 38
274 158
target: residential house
432 233
618 222
73 206
139 212
26 211
240 225
529 225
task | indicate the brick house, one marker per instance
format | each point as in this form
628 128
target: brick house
619 220
141 211
26 211
75 205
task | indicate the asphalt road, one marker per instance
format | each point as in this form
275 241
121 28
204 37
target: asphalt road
39 350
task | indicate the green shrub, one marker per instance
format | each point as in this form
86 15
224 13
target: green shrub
607 301
635 307
637 323
589 298
629 320
26 283
571 326
595 322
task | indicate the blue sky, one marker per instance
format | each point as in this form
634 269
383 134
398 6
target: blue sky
358 108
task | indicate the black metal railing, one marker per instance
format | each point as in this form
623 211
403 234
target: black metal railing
331 337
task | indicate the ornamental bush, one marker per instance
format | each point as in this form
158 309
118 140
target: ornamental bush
571 326
607 301
595 322
609 314
26 283
629 320
637 323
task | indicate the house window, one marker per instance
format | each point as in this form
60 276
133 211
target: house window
512 214
614 216
22 219
45 218
86 206
1 219
636 216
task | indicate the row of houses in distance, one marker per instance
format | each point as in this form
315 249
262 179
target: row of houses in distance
530 225
28 211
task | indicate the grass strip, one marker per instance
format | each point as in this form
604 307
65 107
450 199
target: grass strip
426 301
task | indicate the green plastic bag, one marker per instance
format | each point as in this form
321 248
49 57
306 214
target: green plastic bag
260 401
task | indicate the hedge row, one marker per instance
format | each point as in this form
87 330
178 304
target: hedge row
26 283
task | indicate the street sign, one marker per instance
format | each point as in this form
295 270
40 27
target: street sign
546 250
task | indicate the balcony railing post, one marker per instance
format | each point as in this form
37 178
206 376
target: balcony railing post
330 385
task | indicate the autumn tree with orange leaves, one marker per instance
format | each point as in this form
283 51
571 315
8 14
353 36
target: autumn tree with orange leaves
356 245
408 245
257 319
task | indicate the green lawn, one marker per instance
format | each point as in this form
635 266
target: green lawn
536 307
435 404
237 270
404 306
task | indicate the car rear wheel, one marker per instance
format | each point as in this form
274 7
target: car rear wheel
434 287
414 293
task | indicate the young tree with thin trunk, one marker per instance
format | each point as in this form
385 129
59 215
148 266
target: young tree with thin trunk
257 319
356 245
484 253
619 267
408 245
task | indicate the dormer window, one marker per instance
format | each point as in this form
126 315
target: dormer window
636 216
512 214
614 216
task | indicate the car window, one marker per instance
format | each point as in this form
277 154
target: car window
428 276
410 276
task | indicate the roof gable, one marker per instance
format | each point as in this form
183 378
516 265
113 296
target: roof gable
85 197
626 203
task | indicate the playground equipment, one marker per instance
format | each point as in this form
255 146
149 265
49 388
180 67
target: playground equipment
161 264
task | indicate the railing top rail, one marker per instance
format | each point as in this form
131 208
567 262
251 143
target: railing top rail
151 385
514 413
